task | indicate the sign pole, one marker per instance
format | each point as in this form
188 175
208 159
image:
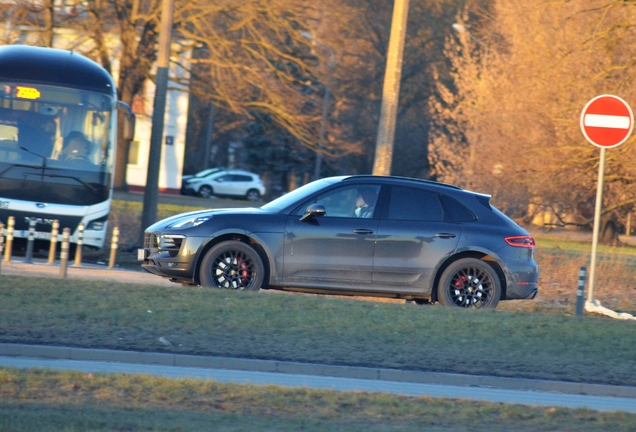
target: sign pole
597 224
606 121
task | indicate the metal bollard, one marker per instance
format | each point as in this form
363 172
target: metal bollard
78 248
9 244
1 241
30 240
113 248
579 293
66 233
54 229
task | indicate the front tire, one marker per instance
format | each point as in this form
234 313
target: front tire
232 265
469 283
205 191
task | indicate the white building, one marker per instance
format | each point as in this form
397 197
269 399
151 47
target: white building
173 142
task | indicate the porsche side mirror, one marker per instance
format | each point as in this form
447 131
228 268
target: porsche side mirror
314 210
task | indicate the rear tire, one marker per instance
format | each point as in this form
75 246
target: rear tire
253 195
232 265
469 283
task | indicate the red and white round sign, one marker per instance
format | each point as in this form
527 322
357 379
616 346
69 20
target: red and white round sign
607 121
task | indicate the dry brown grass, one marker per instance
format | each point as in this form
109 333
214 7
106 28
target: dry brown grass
614 285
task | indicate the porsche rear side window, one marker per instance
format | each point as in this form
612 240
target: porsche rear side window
415 205
456 211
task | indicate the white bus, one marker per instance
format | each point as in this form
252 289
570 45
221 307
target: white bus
58 135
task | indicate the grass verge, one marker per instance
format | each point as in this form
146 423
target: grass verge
308 328
47 400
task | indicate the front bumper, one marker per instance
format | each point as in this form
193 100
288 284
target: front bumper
187 190
177 264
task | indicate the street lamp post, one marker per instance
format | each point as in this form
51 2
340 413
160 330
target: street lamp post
325 105
151 191
391 89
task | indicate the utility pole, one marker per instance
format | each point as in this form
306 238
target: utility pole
151 192
391 90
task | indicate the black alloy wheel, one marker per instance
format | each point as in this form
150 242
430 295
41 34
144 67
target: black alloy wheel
205 191
469 283
232 265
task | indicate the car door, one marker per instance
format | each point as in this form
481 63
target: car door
412 239
222 184
335 250
240 184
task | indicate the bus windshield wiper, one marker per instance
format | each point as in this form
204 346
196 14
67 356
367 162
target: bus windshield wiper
77 179
36 154
11 166
44 173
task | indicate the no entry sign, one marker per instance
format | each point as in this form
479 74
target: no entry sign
607 121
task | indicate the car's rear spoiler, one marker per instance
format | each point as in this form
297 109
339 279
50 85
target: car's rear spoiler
484 200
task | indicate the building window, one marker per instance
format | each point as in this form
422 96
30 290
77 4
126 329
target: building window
133 153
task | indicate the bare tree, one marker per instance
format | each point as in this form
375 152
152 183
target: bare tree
509 123
256 62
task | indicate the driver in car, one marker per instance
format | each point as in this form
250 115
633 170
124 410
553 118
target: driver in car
75 148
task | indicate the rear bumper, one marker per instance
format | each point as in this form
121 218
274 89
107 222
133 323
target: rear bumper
522 281
522 290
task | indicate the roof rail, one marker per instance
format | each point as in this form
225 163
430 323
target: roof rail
432 182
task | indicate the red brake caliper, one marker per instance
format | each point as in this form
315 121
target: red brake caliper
243 272
460 284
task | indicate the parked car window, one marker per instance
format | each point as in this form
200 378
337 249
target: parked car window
242 178
415 205
343 202
456 210
205 173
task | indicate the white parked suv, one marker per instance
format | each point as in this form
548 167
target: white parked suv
232 183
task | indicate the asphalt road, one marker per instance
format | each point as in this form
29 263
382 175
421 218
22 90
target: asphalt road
494 389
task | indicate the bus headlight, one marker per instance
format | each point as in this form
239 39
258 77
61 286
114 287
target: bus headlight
97 225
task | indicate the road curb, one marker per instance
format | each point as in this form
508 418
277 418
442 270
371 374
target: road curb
253 365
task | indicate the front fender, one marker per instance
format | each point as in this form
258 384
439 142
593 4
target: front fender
268 244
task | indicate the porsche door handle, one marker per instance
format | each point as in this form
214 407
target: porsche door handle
445 235
362 231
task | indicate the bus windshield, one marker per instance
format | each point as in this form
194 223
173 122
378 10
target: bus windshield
55 128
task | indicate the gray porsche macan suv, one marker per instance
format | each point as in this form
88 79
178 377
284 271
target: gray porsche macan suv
357 235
